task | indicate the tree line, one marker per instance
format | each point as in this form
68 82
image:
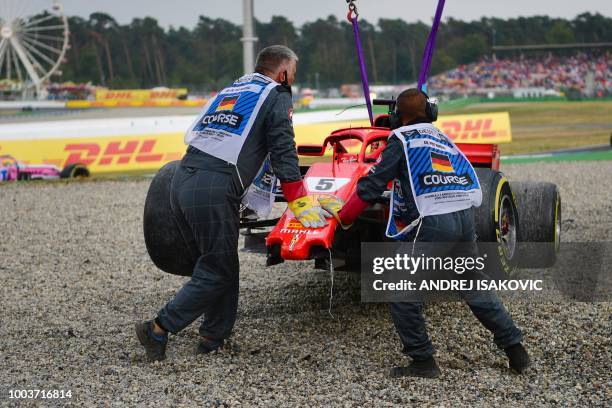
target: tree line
142 54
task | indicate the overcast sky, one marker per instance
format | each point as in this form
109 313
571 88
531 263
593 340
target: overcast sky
186 12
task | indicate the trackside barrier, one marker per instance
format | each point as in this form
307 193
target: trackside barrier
146 144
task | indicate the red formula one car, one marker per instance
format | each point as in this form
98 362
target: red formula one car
510 212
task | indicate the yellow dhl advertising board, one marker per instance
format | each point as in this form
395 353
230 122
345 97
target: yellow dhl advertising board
477 128
139 94
119 153
106 154
480 128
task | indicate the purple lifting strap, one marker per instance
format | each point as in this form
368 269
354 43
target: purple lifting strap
362 66
431 43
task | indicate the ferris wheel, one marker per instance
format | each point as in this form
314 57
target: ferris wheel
33 42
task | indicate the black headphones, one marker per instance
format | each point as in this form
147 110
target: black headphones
431 108
431 112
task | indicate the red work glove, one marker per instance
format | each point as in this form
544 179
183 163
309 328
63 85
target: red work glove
292 190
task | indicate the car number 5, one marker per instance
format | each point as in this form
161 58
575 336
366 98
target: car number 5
324 184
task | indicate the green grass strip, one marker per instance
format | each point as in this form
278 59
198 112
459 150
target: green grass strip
586 156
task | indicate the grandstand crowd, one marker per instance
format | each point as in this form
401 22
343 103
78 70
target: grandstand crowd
587 73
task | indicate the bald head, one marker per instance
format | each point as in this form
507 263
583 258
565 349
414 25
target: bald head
412 105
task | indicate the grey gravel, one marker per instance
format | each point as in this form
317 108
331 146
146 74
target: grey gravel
76 277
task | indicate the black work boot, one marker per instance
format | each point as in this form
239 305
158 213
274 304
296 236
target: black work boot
517 358
153 345
208 345
418 368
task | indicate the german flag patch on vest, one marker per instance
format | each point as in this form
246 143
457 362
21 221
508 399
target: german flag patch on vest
227 103
441 162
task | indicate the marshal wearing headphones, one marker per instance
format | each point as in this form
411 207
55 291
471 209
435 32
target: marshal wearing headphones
434 190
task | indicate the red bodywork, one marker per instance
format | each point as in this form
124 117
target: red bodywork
354 152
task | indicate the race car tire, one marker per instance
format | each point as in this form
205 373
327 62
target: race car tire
539 209
165 244
74 170
497 221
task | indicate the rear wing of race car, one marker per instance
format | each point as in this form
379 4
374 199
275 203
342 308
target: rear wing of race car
481 155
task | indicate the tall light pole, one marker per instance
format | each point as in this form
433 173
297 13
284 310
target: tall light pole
248 37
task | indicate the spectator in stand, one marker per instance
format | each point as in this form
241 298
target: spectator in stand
550 72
